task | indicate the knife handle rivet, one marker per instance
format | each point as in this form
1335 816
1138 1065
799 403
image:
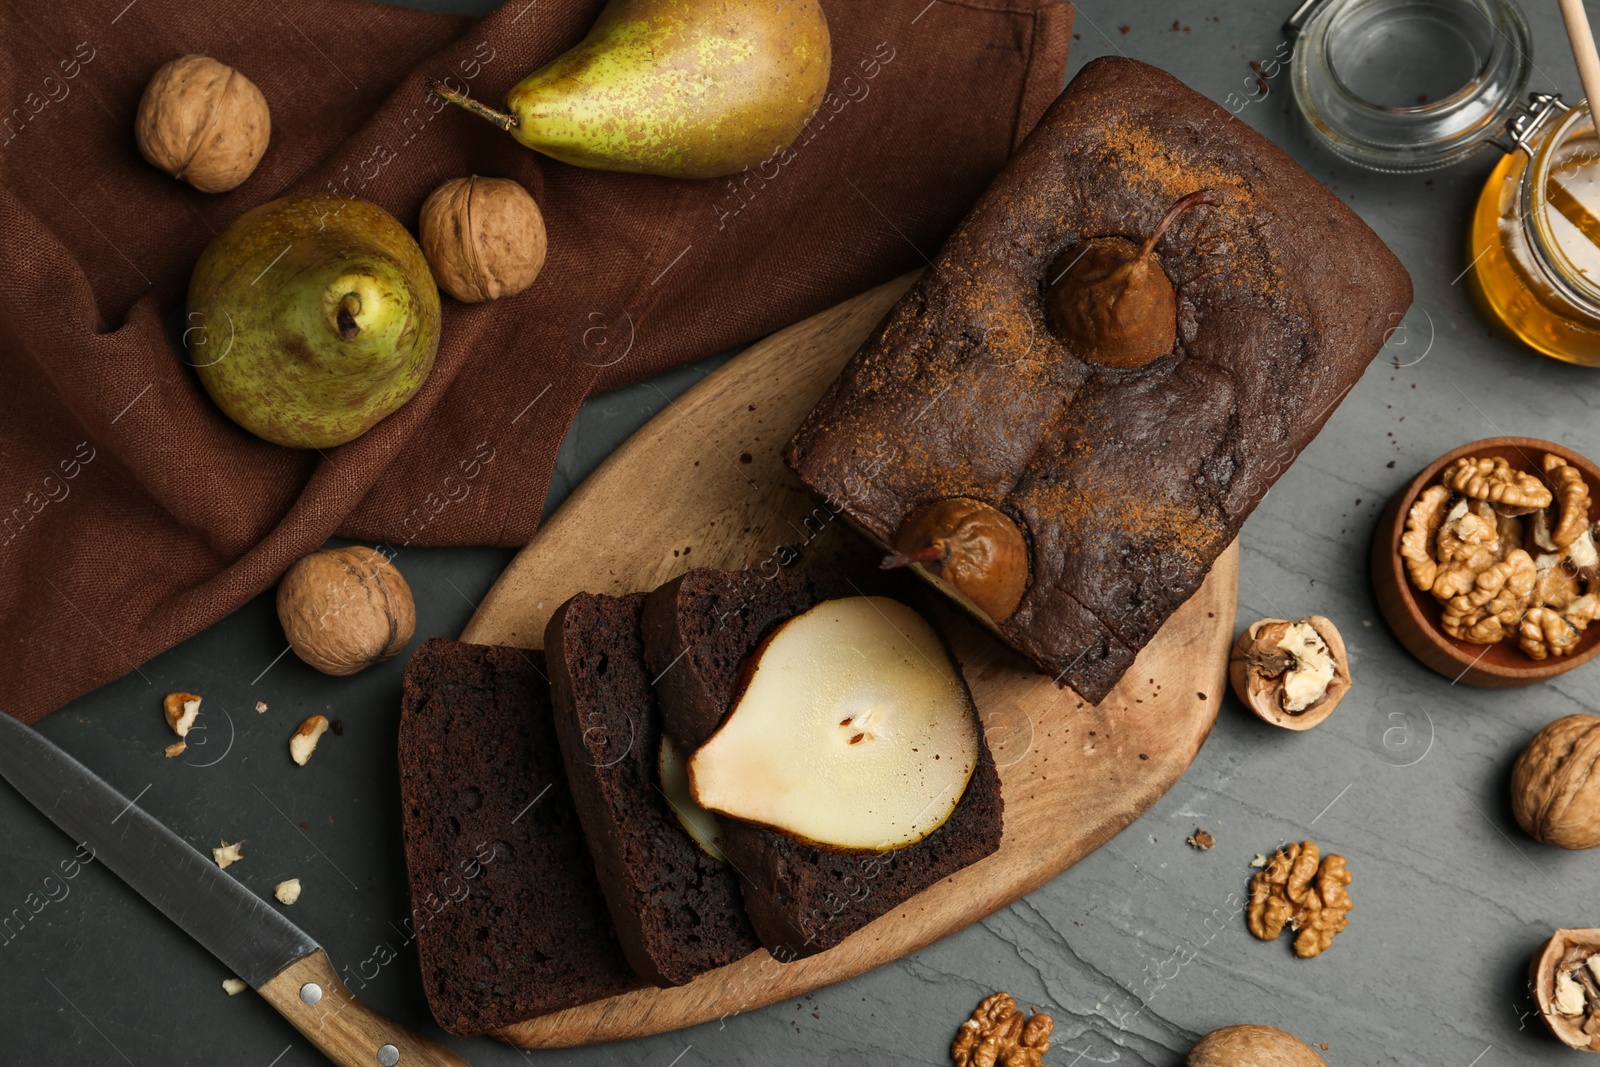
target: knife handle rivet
388 1055
311 993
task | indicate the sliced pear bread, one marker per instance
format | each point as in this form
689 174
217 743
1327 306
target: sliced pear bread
699 631
676 909
508 918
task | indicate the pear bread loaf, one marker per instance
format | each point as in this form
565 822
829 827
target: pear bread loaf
699 631
1126 481
676 909
508 918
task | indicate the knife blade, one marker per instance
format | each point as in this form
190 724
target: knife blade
249 936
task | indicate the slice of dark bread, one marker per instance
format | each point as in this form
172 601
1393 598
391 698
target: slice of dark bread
698 630
676 909
508 918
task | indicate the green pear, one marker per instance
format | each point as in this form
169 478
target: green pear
681 88
311 318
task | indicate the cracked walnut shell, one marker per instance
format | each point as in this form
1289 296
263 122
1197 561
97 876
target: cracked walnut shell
1291 674
999 1035
484 237
1297 891
344 609
1564 977
1252 1046
1555 785
204 122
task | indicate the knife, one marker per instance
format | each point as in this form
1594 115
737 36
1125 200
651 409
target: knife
278 959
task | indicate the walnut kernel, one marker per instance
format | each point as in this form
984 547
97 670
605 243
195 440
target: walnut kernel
1296 891
1422 530
225 855
304 740
181 710
1493 479
999 1035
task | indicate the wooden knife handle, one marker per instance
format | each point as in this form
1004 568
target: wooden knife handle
310 995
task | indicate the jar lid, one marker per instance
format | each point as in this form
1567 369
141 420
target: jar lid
1408 85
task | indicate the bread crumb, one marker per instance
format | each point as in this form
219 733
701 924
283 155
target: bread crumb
233 986
227 854
287 891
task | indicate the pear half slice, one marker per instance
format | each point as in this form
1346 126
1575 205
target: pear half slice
853 730
696 821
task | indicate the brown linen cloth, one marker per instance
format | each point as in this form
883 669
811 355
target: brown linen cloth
133 513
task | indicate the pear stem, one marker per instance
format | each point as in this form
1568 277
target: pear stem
501 119
931 554
1199 196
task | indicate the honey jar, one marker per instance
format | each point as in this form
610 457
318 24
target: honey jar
1410 85
1534 240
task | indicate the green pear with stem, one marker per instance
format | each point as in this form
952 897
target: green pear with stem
681 88
311 318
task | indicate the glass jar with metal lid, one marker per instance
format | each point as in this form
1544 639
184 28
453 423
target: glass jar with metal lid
1411 85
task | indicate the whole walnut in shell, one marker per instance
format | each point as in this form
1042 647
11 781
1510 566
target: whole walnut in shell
484 237
344 609
1555 786
204 122
1252 1046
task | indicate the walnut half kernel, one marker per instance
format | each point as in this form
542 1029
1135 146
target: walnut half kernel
1301 889
1000 1035
1290 673
1565 977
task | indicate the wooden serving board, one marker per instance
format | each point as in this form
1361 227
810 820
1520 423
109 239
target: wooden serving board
702 484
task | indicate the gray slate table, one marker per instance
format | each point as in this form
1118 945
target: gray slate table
1138 950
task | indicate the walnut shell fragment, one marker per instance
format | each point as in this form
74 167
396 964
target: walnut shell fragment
484 237
344 609
1291 674
204 122
1000 1035
1252 1046
1565 978
1304 891
1555 785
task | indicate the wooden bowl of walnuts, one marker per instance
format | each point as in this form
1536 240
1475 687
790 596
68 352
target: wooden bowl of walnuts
1485 565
